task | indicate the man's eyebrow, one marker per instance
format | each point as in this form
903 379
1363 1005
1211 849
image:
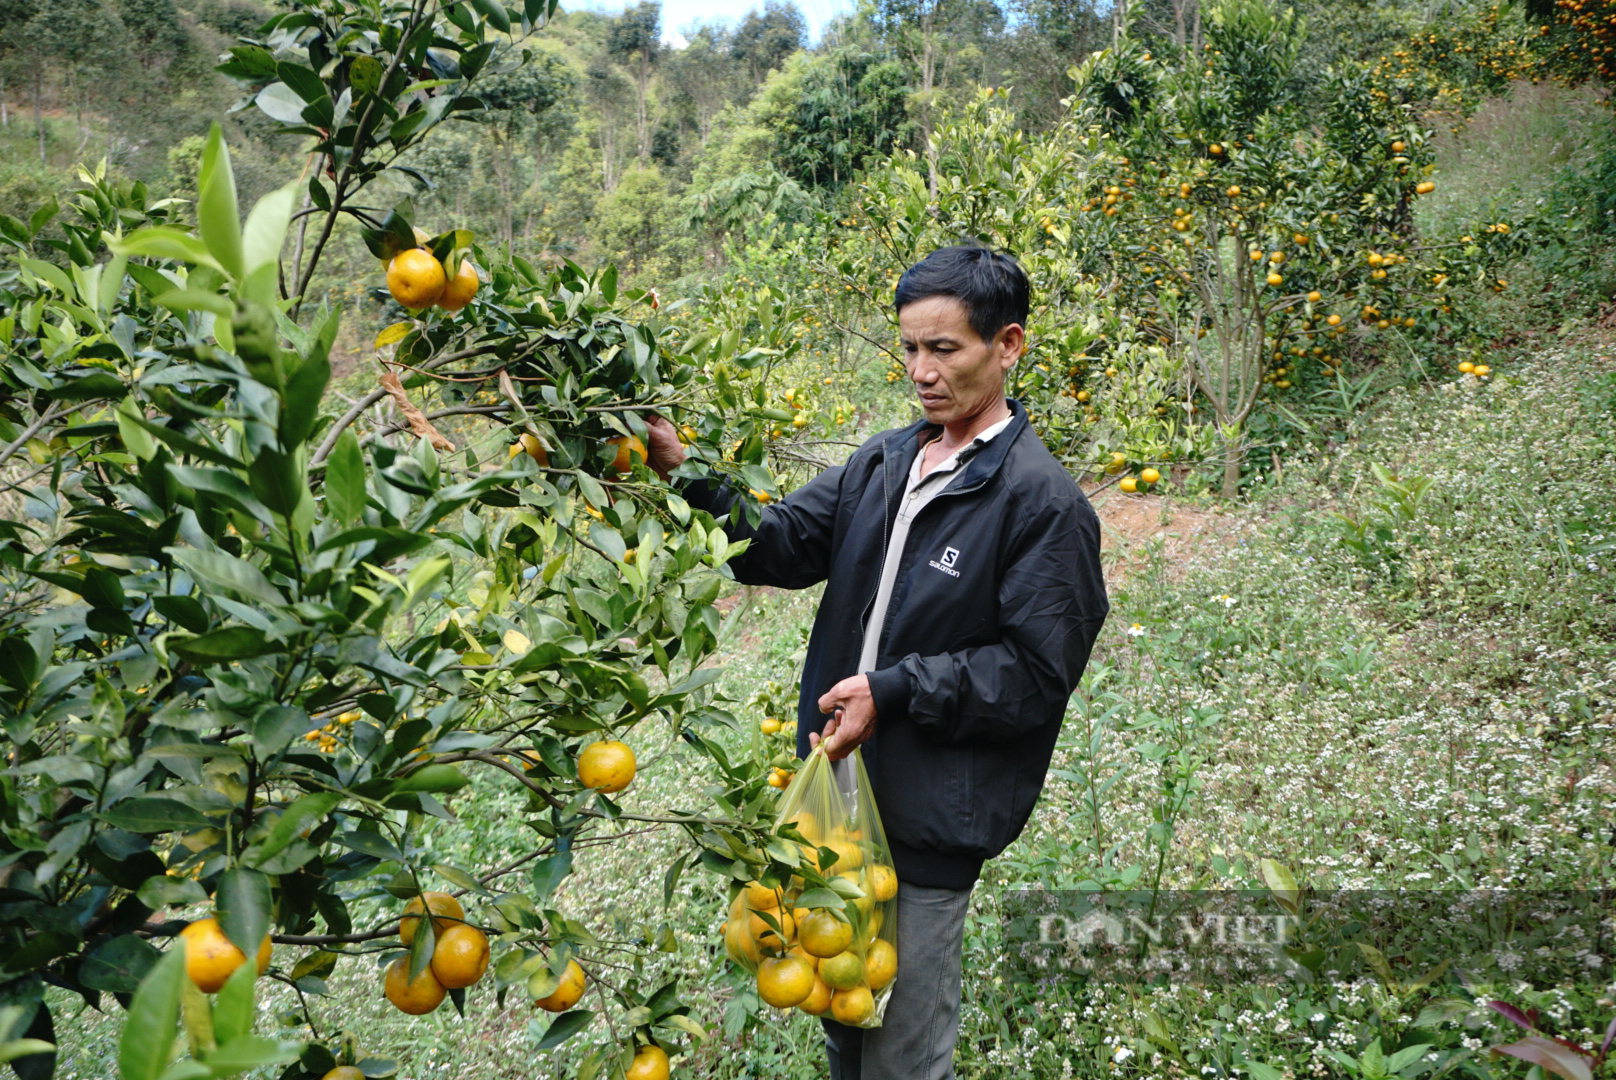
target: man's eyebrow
941 339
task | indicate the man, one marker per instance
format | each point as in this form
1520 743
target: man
963 594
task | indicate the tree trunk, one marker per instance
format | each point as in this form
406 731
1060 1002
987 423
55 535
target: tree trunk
39 108
1232 458
5 113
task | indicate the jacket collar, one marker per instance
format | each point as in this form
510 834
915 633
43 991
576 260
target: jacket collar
900 447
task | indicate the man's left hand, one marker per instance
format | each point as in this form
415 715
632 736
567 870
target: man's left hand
854 719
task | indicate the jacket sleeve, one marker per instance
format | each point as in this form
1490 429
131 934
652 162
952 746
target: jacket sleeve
1051 606
791 543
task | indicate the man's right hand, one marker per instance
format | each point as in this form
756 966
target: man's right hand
665 452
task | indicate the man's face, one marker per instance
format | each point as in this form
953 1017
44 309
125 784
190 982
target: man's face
956 373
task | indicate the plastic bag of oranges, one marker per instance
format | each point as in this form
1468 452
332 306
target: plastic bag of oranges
818 927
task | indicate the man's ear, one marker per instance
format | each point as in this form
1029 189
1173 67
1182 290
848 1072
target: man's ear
1012 342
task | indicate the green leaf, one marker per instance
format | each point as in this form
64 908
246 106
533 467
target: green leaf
233 1009
117 966
155 814
1280 882
160 890
166 242
223 571
294 818
249 1052
345 479
565 1027
277 481
218 219
1259 1071
276 726
548 875
280 102
136 439
243 907
436 779
185 611
148 1034
222 646
265 231
301 407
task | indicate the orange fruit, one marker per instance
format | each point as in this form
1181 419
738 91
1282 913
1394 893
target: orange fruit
818 999
606 766
458 291
534 446
1275 280
852 1007
823 934
416 279
1149 476
650 1063
1424 187
460 956
881 964
345 1072
765 935
446 912
739 944
1334 320
883 882
784 981
417 998
1314 297
628 446
211 958
843 971
1128 484
849 856
566 995
760 897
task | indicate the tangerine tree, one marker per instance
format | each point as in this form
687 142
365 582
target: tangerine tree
253 647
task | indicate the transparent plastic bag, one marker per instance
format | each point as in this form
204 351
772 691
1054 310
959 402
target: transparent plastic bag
836 914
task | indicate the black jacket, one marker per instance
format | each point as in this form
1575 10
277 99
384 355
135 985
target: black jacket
996 605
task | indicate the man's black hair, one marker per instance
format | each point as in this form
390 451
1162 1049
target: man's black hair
990 284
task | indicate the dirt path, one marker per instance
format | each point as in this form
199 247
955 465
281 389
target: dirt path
1131 526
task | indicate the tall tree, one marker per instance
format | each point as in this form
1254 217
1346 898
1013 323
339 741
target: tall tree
14 17
635 41
535 105
765 38
703 78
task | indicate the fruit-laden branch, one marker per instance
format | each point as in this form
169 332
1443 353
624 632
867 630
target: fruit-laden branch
33 429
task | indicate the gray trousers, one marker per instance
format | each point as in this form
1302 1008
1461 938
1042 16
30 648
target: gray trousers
916 1038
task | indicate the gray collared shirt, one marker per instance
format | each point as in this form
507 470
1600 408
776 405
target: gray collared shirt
919 491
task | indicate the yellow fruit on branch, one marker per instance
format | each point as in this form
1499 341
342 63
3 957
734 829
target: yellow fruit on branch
785 981
534 446
567 993
345 1072
1314 297
1277 257
1424 187
1276 280
1128 484
1398 147
460 956
650 1063
445 909
459 290
606 766
417 996
759 897
211 958
739 945
416 279
1149 476
1234 190
628 447
767 937
1333 320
